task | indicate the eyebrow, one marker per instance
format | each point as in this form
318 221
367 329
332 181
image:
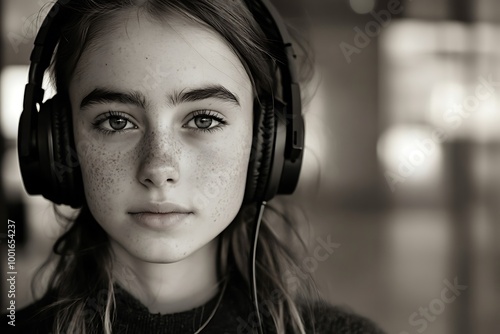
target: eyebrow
102 95
208 92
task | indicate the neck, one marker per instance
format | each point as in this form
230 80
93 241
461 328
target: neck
169 287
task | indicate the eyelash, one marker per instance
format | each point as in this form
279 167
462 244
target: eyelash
111 114
107 116
208 114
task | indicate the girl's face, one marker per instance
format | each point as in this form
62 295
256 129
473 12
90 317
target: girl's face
162 116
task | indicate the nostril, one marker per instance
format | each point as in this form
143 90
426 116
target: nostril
157 176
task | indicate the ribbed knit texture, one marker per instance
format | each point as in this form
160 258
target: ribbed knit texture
234 315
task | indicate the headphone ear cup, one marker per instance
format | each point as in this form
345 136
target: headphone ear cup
58 158
259 168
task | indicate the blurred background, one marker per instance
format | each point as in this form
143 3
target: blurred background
402 159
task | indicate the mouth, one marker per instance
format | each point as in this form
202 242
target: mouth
159 220
159 208
158 212
159 216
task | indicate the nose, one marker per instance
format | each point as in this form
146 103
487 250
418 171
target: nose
159 165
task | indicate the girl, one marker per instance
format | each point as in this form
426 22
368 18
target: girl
167 103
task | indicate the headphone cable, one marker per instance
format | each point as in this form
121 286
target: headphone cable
253 265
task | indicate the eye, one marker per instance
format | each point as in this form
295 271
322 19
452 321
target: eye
205 120
113 122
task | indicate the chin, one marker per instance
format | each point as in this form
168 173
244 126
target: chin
162 251
166 256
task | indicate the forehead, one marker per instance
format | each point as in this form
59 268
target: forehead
136 52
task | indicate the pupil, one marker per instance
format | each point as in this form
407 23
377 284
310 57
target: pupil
203 122
117 123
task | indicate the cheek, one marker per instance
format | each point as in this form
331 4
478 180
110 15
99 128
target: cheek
221 175
104 177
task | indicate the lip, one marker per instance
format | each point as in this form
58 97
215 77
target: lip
157 207
159 216
159 221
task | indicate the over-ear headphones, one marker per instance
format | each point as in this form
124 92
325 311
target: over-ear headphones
47 152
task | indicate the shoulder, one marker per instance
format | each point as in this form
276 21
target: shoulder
323 318
30 319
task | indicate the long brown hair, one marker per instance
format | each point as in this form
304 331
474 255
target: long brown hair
85 244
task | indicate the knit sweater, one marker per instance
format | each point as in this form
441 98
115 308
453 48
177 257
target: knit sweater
234 314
